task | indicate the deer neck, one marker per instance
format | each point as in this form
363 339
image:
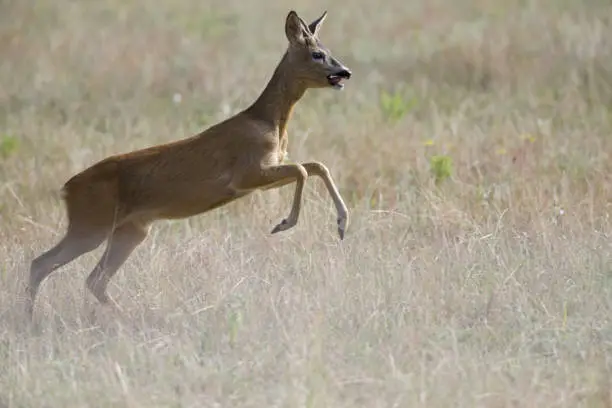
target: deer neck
277 100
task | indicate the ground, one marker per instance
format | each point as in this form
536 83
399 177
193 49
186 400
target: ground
472 146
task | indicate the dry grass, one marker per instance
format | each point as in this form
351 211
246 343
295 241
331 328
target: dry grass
489 288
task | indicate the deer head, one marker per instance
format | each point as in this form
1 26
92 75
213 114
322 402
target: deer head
312 63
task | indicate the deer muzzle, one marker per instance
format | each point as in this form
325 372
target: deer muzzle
336 78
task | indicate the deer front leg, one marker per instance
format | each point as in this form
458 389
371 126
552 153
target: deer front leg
320 170
276 176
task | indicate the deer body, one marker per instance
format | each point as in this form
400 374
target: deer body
119 197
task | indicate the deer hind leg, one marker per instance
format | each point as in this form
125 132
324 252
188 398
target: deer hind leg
75 243
276 176
320 170
122 242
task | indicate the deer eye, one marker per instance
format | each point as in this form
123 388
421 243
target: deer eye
317 55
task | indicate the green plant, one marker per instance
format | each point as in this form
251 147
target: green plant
441 166
234 322
8 145
396 105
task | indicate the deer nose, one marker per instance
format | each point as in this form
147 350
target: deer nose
344 73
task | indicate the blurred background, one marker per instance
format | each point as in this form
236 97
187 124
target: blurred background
502 92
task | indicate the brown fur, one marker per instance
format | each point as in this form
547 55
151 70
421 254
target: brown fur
118 198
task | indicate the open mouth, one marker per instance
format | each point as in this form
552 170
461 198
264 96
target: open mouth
335 81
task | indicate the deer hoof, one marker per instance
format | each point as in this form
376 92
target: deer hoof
280 227
284 225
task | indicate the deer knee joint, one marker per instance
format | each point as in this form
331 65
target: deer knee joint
317 169
302 172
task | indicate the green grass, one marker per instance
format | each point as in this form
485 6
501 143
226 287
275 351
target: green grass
472 145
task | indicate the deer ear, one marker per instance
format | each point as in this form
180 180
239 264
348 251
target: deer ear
295 28
316 25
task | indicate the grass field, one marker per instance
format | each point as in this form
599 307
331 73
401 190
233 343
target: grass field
473 147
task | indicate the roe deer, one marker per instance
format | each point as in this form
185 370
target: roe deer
118 198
